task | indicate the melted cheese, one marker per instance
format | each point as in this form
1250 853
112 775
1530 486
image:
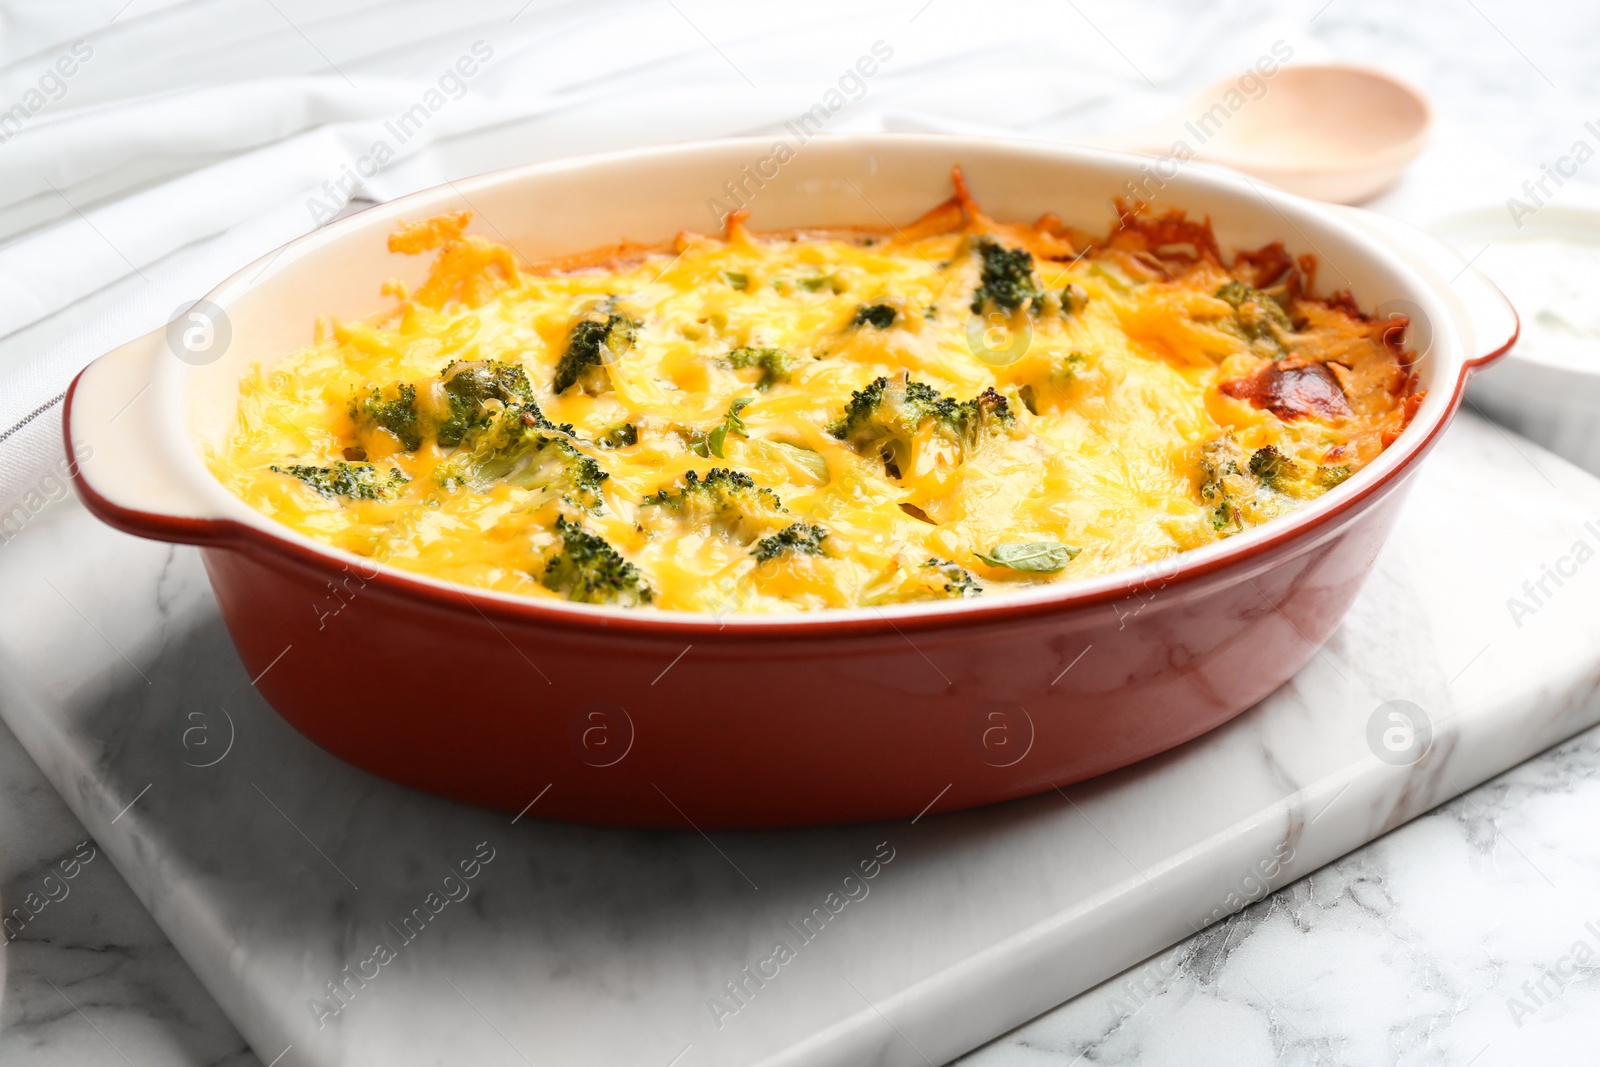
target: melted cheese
1137 405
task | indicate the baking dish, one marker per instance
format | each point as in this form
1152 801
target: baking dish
656 718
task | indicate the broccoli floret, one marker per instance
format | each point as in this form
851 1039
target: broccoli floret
718 480
723 501
469 385
398 416
1223 483
908 581
861 413
1261 319
720 484
1241 490
1074 298
958 581
1282 474
619 436
555 465
1272 466
985 411
593 342
495 429
469 389
886 419
588 570
879 315
1007 279
523 449
358 481
775 364
800 538
1328 477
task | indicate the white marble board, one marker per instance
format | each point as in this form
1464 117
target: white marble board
273 866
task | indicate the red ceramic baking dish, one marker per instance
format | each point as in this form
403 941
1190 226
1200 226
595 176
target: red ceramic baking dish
655 718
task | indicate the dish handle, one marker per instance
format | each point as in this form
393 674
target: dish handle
125 456
1486 320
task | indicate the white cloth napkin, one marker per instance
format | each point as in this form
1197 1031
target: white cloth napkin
149 149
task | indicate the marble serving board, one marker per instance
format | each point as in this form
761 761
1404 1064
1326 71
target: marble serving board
340 919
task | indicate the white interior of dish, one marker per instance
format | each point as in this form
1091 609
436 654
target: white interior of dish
876 180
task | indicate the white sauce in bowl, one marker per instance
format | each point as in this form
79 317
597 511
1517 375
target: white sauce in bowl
1555 286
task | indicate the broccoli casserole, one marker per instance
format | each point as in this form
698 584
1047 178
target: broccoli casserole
771 422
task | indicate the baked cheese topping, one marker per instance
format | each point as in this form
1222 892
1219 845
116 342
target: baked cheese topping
784 422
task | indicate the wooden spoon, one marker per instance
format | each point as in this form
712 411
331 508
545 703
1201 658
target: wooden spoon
1330 132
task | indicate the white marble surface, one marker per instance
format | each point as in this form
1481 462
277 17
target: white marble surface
578 945
92 979
1413 950
1406 951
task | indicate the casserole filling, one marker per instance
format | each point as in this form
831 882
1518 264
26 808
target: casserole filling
790 421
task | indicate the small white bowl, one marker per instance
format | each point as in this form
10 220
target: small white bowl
1548 387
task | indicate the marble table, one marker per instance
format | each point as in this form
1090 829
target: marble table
573 945
92 980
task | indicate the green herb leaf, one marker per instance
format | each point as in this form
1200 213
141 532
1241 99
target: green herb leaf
713 442
1042 557
716 439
